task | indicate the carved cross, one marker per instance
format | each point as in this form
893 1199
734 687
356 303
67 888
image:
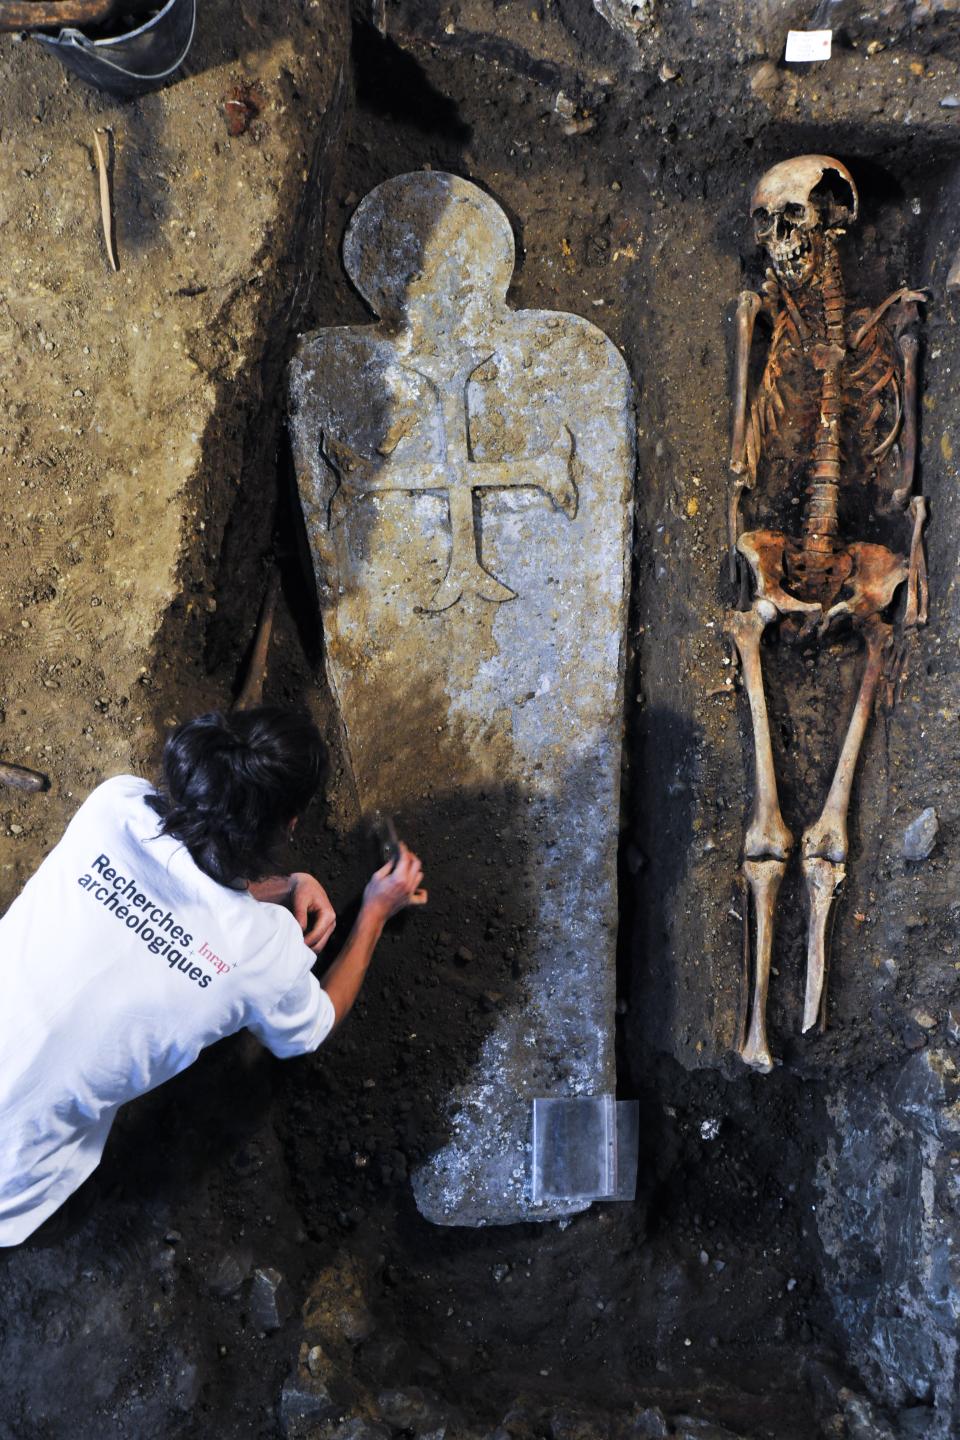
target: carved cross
460 475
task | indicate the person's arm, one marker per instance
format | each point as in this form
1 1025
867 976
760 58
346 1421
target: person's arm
388 890
306 898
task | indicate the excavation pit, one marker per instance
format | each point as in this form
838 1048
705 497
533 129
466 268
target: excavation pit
785 1268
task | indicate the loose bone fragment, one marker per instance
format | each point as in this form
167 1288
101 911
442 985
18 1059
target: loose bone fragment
18 777
106 198
953 274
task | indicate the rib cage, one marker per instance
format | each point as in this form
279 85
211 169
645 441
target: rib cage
782 414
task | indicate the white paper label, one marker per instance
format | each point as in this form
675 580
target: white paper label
808 44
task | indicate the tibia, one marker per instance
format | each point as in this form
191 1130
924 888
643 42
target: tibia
824 878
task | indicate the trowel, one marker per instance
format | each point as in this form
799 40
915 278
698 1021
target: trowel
384 833
385 837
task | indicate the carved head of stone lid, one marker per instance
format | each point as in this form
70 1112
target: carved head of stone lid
432 241
794 205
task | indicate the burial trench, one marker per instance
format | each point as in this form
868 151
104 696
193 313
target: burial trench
791 1233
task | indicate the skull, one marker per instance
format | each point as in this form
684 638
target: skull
794 205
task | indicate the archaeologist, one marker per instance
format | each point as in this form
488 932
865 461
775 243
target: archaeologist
154 928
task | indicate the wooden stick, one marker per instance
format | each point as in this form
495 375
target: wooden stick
44 14
251 692
106 199
19 778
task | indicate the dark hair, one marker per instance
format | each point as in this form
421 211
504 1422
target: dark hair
231 784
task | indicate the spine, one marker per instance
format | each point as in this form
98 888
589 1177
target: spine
820 521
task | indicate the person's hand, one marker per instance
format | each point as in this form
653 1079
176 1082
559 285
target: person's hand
396 885
312 910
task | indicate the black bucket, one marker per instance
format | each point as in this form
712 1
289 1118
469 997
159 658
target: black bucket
130 64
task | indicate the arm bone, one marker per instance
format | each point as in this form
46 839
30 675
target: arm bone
749 305
908 347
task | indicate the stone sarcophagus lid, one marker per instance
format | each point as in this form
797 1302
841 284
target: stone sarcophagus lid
465 471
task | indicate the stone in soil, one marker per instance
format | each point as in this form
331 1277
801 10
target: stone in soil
880 1229
228 1272
305 1402
648 1424
355 1429
270 1301
920 835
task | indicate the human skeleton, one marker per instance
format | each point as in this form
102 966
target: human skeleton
832 424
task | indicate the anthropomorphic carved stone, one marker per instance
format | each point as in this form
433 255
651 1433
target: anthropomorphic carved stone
830 435
465 470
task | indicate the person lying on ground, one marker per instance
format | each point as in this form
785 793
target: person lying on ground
156 927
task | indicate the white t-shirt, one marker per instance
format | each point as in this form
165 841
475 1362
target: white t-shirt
119 961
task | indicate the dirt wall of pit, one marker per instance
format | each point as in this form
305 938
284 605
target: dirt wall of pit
135 404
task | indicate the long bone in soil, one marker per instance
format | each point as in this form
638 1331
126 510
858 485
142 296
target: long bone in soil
836 408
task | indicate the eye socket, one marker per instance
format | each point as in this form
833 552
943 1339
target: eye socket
793 211
760 215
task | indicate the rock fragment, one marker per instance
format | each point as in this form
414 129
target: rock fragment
336 1309
691 1427
183 1381
270 1302
305 1402
227 1273
863 1422
317 1361
765 78
572 1425
920 835
913 1037
355 1429
629 17
411 1409
648 1424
